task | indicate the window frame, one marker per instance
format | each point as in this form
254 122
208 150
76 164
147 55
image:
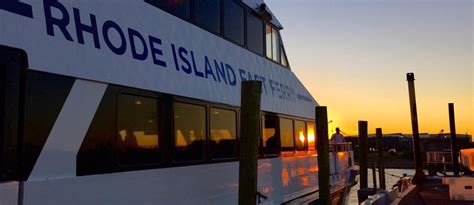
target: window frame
192 20
281 48
284 151
160 127
305 145
208 159
247 11
262 153
267 24
237 133
276 33
166 131
173 137
244 9
283 54
251 12
190 13
315 141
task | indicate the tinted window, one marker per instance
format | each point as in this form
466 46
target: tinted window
233 21
98 152
14 63
254 34
223 133
270 136
311 134
284 60
300 136
189 132
207 14
275 45
268 40
45 96
2 101
137 130
179 8
286 134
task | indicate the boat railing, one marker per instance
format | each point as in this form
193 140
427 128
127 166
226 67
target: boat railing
340 147
438 161
438 157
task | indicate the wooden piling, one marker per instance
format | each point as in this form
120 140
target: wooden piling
374 175
323 154
249 136
379 135
454 143
364 193
363 152
419 177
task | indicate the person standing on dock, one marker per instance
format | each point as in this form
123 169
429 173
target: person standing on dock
337 138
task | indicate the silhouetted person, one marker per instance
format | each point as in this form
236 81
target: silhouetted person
130 140
272 145
337 137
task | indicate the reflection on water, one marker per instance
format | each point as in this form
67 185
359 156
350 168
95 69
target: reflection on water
390 181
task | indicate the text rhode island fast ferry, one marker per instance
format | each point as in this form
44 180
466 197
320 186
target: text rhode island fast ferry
137 102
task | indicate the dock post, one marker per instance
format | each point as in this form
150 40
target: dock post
363 149
323 154
374 175
419 177
249 136
379 135
454 143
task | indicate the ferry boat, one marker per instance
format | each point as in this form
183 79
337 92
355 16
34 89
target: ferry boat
137 102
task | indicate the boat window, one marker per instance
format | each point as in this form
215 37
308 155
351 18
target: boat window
234 22
254 34
284 60
137 130
207 14
179 8
189 132
300 136
268 40
223 133
270 135
311 134
2 103
275 45
45 95
286 134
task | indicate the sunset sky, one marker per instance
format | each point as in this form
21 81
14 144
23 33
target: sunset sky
353 56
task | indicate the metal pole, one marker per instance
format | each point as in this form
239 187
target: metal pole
363 153
378 133
323 154
419 174
454 142
249 135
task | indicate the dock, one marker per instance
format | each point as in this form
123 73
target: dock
432 183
